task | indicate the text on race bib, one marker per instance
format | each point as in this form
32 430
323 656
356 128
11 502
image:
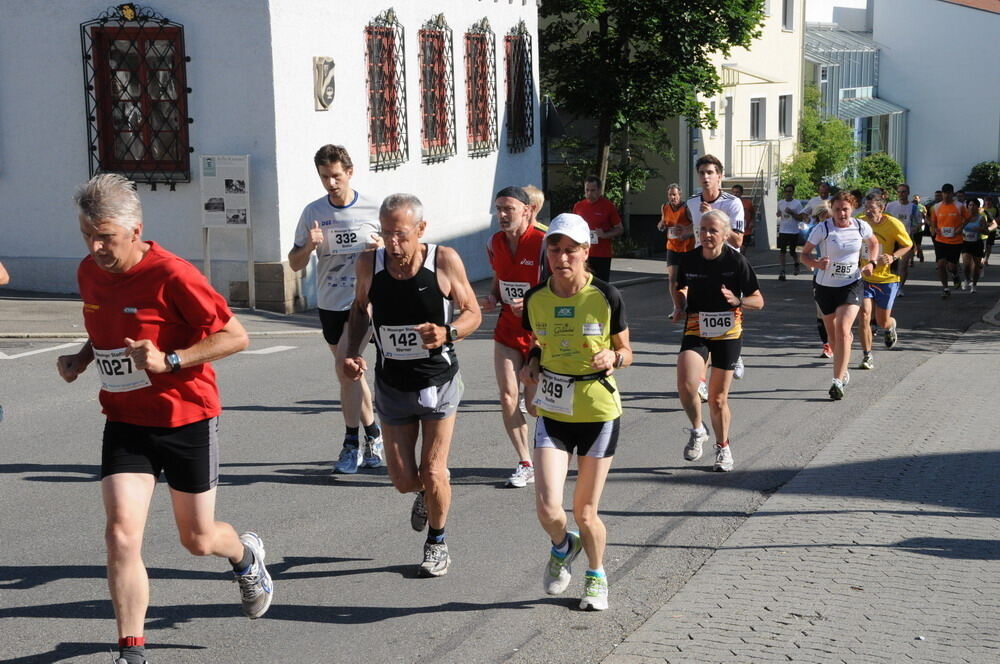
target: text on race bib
401 342
715 323
674 232
513 290
346 239
842 270
593 237
947 231
118 373
971 236
555 393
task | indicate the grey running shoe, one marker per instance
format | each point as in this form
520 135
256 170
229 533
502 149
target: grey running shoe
595 593
558 571
945 293
436 559
256 591
692 451
374 454
972 288
121 660
350 459
723 459
522 476
891 337
739 369
867 362
837 390
418 514
703 391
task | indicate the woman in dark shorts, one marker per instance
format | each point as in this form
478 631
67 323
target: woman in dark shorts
837 285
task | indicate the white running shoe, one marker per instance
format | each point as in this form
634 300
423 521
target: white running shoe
558 571
522 476
595 593
692 451
739 369
436 560
256 590
972 288
374 455
703 391
847 377
891 337
723 459
837 390
867 362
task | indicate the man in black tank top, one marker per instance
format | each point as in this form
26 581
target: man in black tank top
414 290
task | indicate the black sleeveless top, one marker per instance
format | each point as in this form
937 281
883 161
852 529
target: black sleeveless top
397 306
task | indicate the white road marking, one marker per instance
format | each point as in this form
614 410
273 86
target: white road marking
5 356
268 350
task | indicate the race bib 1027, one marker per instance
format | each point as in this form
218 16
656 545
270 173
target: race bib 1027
118 373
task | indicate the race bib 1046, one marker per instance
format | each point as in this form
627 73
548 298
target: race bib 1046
555 393
118 373
715 323
512 290
401 342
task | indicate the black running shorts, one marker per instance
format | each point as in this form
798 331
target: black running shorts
724 352
187 455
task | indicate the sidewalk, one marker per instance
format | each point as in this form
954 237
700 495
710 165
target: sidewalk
885 548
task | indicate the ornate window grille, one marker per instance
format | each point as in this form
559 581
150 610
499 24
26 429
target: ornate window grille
386 82
437 91
481 89
520 89
136 94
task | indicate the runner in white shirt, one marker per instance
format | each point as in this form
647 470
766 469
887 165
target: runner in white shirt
792 217
710 173
338 227
838 286
912 216
820 199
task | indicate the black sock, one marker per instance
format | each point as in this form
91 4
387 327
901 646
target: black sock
435 535
352 433
821 328
245 561
372 430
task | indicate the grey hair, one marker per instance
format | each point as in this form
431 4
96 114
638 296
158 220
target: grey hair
721 216
397 201
110 197
672 186
875 198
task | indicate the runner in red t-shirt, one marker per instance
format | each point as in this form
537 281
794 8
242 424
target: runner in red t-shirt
605 224
516 255
154 323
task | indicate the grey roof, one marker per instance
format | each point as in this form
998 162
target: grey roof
827 38
866 107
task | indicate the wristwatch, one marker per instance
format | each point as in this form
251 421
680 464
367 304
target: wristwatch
451 334
173 361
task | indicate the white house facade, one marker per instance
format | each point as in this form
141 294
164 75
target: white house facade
438 98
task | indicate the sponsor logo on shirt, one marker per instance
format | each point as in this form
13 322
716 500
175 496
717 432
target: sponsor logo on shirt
525 261
130 310
565 312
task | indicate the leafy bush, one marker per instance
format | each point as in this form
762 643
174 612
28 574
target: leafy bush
984 176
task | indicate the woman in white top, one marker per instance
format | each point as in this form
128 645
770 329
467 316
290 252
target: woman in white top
837 283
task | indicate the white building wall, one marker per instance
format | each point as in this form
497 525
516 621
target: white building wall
251 80
458 192
853 15
951 93
43 132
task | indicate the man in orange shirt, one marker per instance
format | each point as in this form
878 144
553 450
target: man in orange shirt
946 221
602 217
676 223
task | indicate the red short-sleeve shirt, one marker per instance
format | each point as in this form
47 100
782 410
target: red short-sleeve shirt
602 215
165 299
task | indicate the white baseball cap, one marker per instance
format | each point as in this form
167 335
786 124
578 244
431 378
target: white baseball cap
572 226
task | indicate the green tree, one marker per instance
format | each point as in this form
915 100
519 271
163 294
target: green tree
829 138
876 170
984 176
633 64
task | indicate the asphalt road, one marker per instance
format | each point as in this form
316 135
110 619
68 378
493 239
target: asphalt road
341 550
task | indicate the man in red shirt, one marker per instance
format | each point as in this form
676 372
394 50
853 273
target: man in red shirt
517 257
153 324
602 217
